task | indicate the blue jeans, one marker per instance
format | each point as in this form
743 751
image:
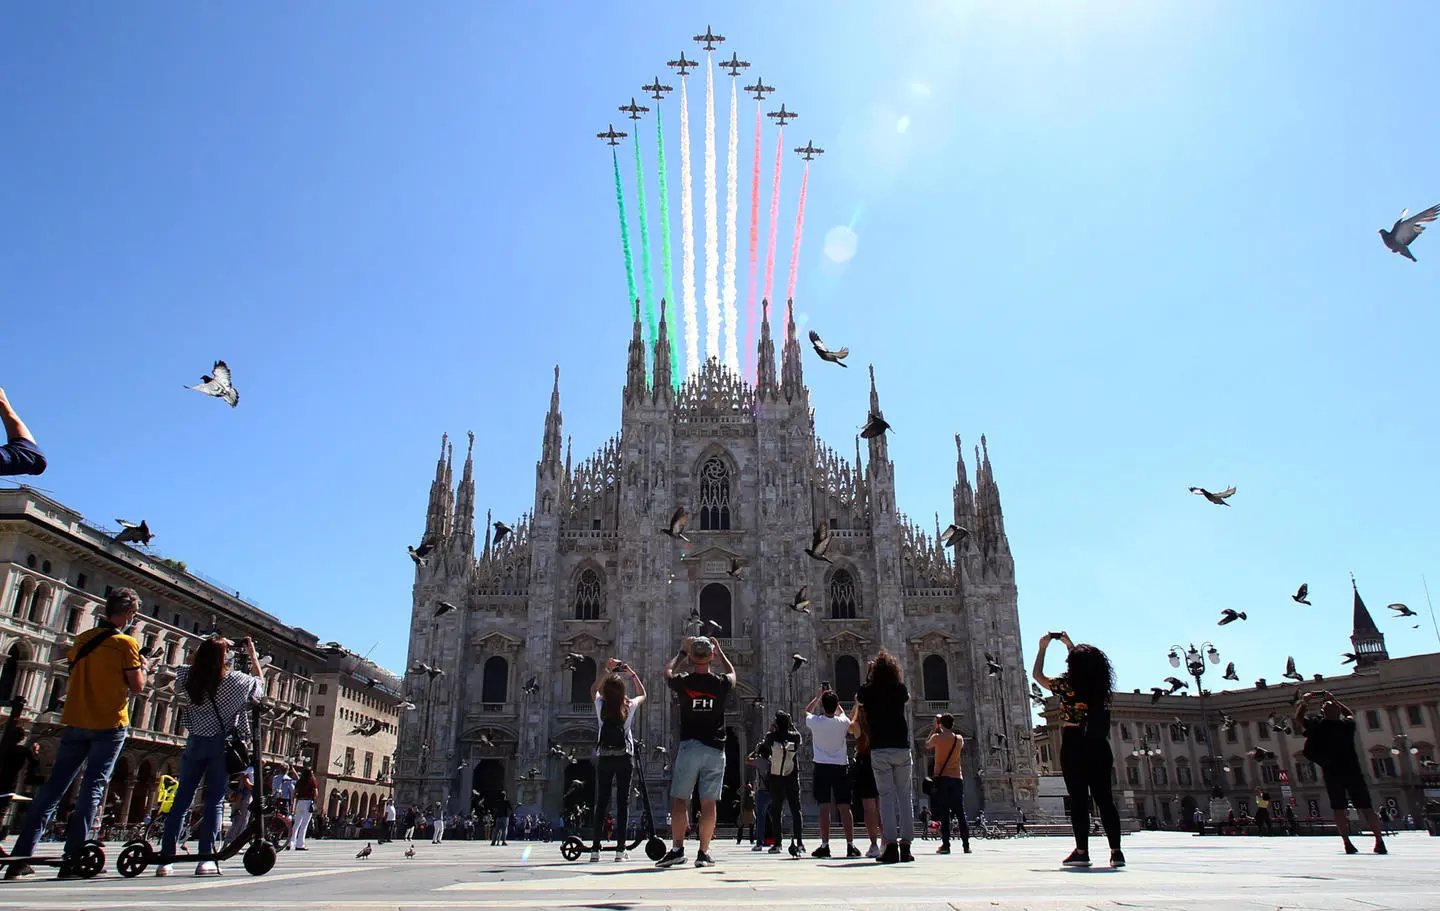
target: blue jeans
203 760
697 763
97 750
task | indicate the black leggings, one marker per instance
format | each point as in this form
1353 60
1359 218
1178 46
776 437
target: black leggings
784 789
1086 764
612 771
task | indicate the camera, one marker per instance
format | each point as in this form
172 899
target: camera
621 667
825 686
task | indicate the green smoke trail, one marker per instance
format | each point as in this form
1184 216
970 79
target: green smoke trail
665 256
645 250
624 230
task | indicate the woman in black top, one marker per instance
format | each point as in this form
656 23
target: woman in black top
883 700
1086 760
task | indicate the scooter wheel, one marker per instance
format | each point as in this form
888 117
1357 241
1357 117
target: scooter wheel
90 862
259 858
654 848
572 848
134 859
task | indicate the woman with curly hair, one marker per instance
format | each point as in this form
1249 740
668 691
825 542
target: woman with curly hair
1086 760
883 701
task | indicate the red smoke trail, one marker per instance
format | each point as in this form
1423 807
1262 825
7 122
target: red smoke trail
799 224
774 214
754 251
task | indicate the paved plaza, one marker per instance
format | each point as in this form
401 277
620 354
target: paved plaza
1166 871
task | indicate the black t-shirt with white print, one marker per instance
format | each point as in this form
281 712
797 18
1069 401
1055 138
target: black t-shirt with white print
702 706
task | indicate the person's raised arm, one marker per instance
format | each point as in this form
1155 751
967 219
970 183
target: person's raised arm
855 718
639 684
1300 707
814 703
725 662
681 656
1344 709
1038 672
20 455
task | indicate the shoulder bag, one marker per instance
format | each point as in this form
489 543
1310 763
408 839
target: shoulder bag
927 784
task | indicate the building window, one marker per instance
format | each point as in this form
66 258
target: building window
1132 774
936 676
320 710
1382 766
45 567
1125 732
80 581
715 607
1161 776
589 595
1237 767
847 677
495 681
582 680
1183 777
1372 720
349 768
1176 735
1270 773
1152 733
72 621
714 495
1262 730
30 561
324 688
1307 772
1232 734
369 764
844 603
1414 715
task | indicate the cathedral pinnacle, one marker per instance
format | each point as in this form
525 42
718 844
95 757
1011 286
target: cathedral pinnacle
550 449
792 379
635 369
765 355
663 382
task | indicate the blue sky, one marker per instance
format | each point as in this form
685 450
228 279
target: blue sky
1133 245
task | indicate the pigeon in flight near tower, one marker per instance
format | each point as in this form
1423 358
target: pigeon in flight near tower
676 528
835 357
1230 616
1290 672
820 542
501 530
1302 595
218 385
1230 672
801 602
1401 610
1406 229
132 533
1217 498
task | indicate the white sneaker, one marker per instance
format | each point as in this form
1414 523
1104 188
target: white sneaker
874 851
164 869
622 857
207 868
594 857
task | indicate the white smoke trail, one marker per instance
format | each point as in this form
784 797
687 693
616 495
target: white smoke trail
732 356
687 240
712 243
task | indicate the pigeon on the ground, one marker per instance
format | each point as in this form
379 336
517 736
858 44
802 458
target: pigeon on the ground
501 531
1230 672
954 535
820 542
1290 672
736 569
1302 595
801 602
874 426
1230 616
443 608
1401 610
676 528
1176 684
1405 230
364 852
132 533
1217 498
410 851
835 357
218 386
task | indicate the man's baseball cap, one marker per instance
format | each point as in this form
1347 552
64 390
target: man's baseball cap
701 648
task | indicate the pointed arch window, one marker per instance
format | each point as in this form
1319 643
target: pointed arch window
582 681
936 675
495 682
589 595
844 599
714 495
847 677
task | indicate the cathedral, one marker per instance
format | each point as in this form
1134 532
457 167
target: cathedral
502 684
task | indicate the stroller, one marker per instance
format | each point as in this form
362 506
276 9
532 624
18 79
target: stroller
574 846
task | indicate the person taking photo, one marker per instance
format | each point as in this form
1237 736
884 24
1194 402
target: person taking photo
700 757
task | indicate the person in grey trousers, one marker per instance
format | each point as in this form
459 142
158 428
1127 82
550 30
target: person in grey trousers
883 702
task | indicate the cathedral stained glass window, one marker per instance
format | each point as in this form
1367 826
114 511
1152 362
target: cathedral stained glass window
714 495
844 602
589 595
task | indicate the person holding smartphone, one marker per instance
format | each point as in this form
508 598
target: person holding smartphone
828 733
615 713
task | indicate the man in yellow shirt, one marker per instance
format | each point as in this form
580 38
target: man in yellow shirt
105 671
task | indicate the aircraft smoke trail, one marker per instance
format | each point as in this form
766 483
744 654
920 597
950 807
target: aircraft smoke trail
732 359
712 243
687 239
665 257
799 225
774 213
750 354
624 229
644 248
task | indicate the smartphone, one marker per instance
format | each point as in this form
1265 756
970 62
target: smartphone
825 685
622 666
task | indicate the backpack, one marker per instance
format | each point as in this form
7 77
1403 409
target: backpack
612 739
783 754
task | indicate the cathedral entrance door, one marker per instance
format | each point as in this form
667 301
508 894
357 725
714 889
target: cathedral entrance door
488 780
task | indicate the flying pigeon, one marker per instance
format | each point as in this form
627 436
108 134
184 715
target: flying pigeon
410 851
1349 658
407 706
1399 609
820 542
1290 672
501 531
955 534
1429 764
801 602
532 774
1226 722
677 524
661 751
443 608
1176 684
797 661
1230 616
835 357
704 626
485 740
218 385
874 426
1398 239
1217 498
1001 739
1037 695
1156 692
1230 672
1302 595
735 569
1182 727
130 532
992 667
364 852
572 661
532 686
421 553
1260 754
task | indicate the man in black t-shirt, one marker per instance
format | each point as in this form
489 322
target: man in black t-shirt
1330 744
700 758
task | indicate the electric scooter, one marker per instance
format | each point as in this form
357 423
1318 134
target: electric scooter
574 846
91 859
138 855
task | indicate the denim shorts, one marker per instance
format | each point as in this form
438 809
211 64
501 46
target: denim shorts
696 762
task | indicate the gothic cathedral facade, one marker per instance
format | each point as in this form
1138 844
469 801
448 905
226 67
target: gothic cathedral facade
502 706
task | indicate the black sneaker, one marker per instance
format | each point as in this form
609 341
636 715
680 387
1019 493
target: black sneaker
905 856
1351 849
943 849
822 852
68 872
1117 858
18 870
672 857
1077 858
702 859
852 851
967 847
891 855
1380 848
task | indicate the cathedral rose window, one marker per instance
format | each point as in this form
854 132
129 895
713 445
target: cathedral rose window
714 495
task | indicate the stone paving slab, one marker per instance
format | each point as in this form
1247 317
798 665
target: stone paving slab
1166 871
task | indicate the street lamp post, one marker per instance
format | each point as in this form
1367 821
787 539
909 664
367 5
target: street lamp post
1195 665
1399 746
1148 752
